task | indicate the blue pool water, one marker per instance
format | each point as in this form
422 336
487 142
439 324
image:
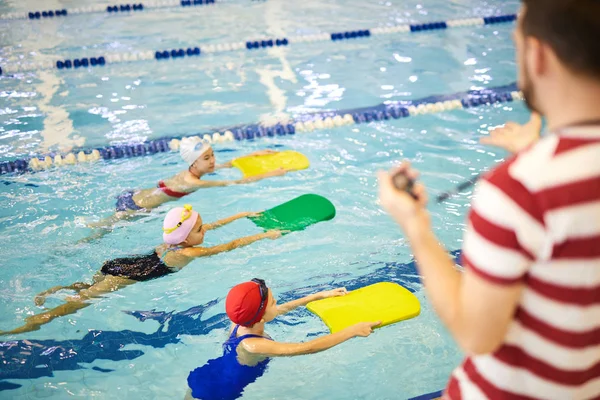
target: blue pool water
115 348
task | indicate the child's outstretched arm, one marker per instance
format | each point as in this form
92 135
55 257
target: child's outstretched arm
225 221
201 183
270 348
194 252
229 164
289 306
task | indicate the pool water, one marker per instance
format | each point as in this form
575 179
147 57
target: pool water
104 351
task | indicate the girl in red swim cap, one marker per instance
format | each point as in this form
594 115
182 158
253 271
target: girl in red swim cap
246 353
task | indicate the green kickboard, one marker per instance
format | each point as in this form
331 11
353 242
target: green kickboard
296 214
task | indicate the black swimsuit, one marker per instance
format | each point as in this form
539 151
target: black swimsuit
137 268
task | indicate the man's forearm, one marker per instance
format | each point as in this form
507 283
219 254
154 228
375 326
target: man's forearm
441 279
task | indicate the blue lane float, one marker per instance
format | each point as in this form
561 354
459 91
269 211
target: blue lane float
301 123
47 14
175 53
266 43
251 45
500 19
429 27
350 35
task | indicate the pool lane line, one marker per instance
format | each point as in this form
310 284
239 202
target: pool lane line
162 55
298 125
110 9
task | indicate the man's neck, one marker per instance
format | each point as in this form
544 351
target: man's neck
577 104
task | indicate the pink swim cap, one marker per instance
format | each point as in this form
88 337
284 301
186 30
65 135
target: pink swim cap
178 224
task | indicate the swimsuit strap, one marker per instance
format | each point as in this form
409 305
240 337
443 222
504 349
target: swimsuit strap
168 249
234 336
234 332
169 192
252 336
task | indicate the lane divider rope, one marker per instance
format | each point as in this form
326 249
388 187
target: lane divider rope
112 9
250 45
300 124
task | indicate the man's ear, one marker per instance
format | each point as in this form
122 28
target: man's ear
537 55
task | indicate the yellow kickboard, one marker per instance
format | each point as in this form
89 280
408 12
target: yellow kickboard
387 302
256 165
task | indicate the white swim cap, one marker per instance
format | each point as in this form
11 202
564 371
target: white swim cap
192 148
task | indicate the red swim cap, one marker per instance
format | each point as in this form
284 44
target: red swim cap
243 304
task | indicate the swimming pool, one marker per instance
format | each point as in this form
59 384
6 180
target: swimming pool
104 352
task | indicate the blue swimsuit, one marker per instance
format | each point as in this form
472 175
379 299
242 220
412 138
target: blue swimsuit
224 378
125 202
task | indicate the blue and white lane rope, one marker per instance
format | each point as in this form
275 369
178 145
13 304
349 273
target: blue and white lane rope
250 45
301 124
112 9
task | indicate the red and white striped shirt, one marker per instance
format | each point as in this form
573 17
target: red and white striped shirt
536 219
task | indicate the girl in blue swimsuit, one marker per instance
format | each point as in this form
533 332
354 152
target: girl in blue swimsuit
247 352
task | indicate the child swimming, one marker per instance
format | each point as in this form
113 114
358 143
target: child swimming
248 350
200 158
183 231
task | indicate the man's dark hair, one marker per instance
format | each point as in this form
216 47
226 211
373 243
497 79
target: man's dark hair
571 28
